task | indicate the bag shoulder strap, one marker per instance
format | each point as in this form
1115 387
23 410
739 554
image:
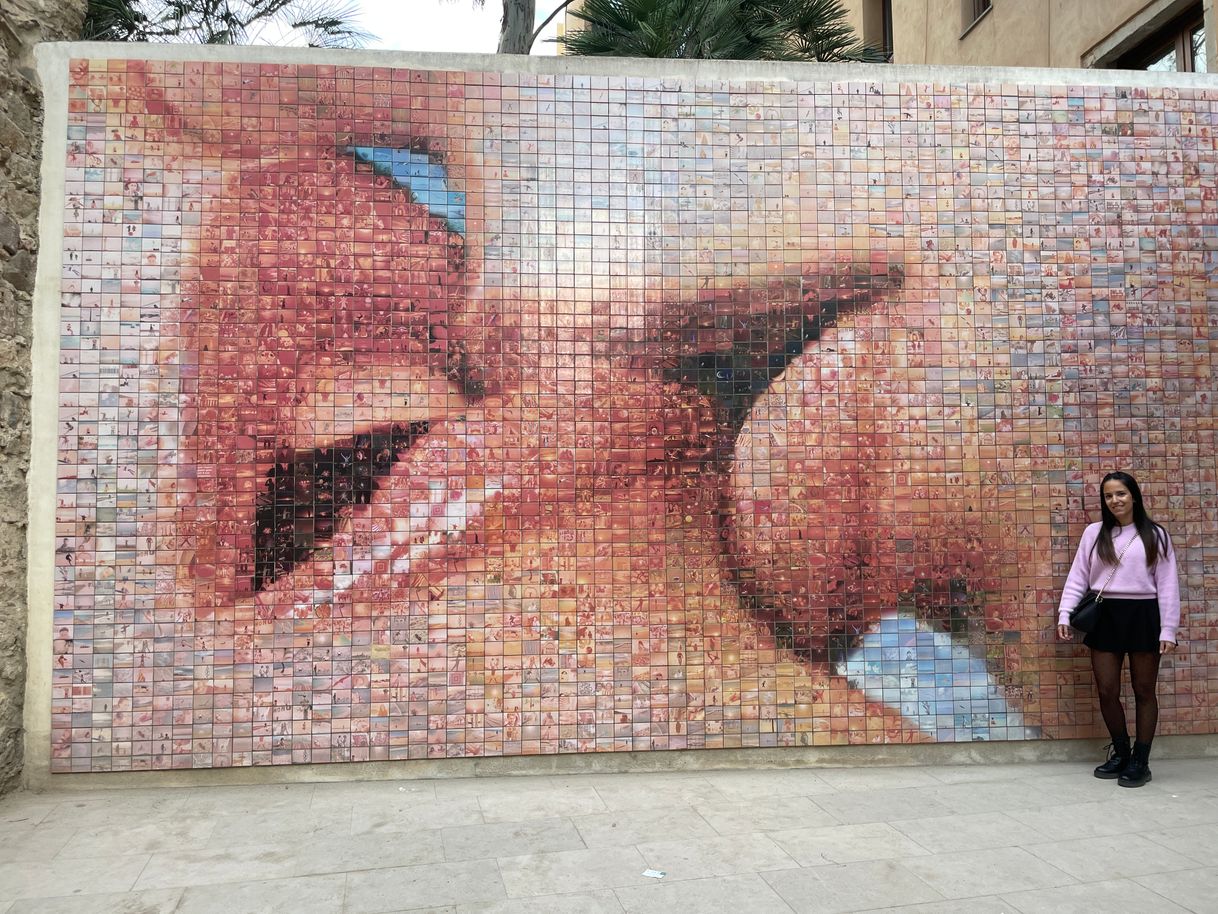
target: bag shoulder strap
1099 593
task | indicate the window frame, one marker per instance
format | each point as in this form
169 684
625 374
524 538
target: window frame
1175 35
972 12
886 27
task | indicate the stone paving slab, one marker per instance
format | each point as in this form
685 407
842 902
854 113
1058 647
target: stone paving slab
1018 839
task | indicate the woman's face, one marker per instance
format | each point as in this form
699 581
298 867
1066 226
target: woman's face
1119 501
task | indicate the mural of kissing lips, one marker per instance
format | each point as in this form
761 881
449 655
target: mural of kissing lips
443 492
317 326
832 484
411 413
868 551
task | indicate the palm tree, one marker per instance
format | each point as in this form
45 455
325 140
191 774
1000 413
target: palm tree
320 23
516 35
516 32
718 29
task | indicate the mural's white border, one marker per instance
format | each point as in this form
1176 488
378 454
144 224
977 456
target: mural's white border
44 414
53 61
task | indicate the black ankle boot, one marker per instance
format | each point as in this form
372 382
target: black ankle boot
1137 772
1118 758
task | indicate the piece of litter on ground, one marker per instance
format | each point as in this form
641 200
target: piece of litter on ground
654 874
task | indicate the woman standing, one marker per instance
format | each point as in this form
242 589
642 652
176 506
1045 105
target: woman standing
1130 558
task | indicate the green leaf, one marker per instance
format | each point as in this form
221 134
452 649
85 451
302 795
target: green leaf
319 23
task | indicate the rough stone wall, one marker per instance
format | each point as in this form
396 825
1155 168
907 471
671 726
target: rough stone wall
23 23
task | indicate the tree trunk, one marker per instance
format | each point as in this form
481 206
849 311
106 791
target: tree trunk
516 31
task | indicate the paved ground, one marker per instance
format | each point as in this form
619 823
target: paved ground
976 839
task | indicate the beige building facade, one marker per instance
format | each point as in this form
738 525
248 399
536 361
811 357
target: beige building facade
1121 34
1133 34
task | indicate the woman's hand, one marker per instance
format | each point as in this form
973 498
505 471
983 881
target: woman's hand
1167 647
1064 633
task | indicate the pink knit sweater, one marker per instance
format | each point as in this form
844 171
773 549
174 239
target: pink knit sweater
1133 580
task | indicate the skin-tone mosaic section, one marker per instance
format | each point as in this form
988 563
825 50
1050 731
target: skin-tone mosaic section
411 414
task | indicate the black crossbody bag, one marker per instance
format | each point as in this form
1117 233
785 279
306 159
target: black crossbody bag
1086 615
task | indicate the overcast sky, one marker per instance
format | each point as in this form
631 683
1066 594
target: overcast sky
442 25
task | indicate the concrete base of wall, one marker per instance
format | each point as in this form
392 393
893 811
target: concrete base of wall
864 756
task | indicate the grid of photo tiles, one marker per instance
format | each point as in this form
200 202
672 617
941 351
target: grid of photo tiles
434 414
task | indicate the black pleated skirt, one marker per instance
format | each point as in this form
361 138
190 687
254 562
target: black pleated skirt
1126 626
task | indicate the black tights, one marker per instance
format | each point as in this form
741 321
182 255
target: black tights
1144 671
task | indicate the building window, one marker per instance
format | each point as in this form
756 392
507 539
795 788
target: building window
886 13
973 11
1178 46
877 26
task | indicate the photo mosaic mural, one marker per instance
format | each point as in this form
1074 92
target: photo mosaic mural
432 414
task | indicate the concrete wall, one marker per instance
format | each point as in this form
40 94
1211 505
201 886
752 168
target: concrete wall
23 23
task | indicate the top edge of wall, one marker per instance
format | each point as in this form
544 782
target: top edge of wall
642 68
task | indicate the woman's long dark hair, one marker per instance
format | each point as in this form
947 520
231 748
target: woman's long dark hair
1154 537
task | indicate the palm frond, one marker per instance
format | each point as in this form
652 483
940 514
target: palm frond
717 29
319 23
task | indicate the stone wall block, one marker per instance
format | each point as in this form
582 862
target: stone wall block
23 24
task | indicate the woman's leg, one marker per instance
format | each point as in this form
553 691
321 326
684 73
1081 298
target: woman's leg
1106 666
1144 671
